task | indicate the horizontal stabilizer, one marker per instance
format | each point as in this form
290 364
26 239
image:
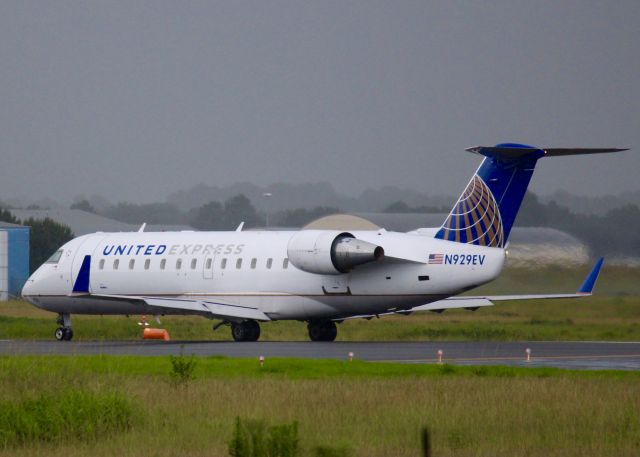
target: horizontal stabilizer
551 152
507 151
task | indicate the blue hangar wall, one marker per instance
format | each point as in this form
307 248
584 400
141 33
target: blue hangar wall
16 261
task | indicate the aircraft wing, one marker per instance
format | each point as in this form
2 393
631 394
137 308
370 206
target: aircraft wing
475 302
585 290
472 303
162 305
218 310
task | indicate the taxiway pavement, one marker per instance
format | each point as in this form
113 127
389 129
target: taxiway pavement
562 354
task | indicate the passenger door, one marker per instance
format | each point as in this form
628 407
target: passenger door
77 252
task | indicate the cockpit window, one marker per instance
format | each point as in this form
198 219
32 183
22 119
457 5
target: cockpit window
55 258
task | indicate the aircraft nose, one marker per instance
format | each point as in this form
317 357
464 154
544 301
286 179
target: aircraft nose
31 286
27 289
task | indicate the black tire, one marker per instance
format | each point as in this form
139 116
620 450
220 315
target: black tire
315 331
60 333
245 331
254 330
322 331
68 334
238 332
330 331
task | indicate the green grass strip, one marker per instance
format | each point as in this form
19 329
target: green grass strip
63 416
290 368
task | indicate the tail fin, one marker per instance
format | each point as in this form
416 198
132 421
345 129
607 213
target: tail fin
485 212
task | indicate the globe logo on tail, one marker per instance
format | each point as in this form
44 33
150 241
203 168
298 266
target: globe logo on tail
475 219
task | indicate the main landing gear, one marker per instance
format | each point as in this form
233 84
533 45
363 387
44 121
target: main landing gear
250 330
64 332
322 330
245 331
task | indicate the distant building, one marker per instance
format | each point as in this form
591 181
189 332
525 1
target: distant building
14 259
82 222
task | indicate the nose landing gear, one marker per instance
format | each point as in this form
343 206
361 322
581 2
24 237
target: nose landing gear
64 332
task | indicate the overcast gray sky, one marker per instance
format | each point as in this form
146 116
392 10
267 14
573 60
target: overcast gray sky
134 100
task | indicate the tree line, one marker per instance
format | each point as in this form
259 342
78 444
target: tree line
45 236
215 215
614 233
617 232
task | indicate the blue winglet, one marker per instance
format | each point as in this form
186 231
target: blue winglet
82 281
590 281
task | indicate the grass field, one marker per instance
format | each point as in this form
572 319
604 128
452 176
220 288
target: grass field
130 406
369 409
612 314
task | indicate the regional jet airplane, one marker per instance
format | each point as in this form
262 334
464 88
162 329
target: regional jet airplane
323 277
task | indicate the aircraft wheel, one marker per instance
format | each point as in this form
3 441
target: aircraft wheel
330 331
60 333
63 334
315 332
238 332
245 331
254 330
322 331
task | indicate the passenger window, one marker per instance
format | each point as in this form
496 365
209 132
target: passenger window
269 263
223 264
101 264
163 263
285 263
132 263
116 263
178 264
147 263
254 261
239 264
208 264
194 263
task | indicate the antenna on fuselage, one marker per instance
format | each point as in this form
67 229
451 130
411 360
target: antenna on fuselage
142 227
239 229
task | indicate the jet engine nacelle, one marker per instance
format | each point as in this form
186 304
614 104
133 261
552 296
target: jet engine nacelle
330 251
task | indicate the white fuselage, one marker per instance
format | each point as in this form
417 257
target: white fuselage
252 269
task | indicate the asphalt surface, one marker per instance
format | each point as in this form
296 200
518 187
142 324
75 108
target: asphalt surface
577 355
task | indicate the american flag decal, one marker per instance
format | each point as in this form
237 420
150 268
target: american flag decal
435 259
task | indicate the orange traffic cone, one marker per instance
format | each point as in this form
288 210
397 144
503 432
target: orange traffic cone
155 334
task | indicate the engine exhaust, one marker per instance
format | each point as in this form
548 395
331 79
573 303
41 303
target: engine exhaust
348 252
